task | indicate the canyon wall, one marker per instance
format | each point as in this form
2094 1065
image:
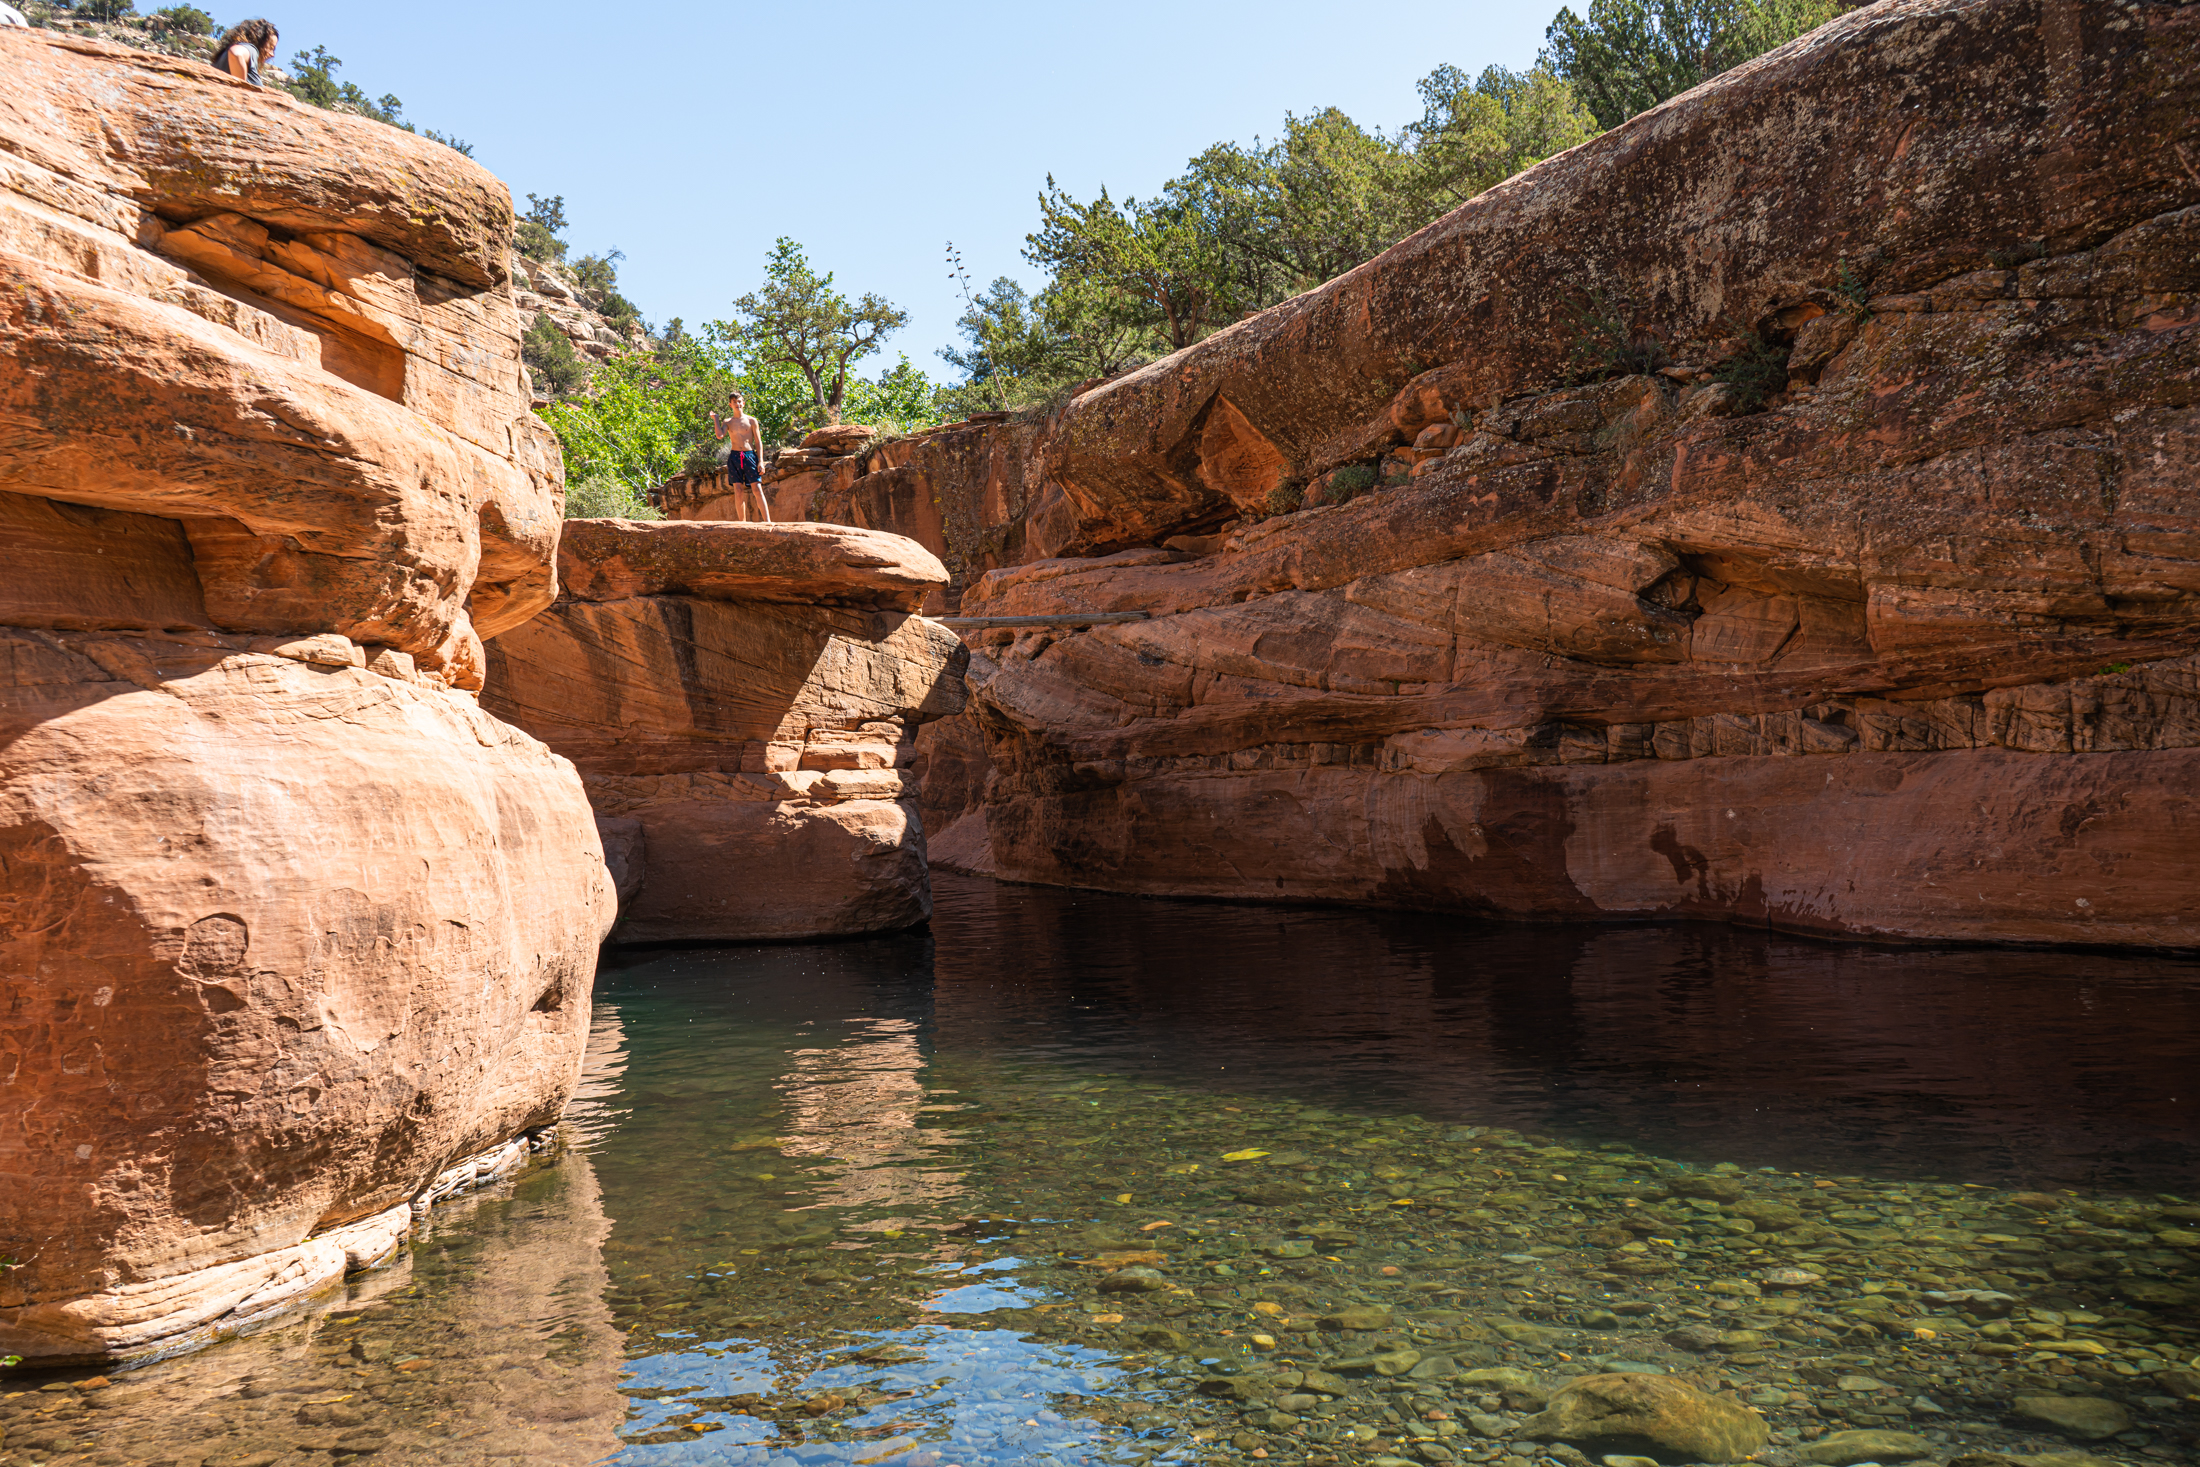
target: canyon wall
1781 508
288 925
742 702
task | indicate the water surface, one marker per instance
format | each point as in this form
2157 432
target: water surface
878 1201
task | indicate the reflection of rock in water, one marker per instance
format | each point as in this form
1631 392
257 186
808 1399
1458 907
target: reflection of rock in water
594 1109
856 1105
488 1338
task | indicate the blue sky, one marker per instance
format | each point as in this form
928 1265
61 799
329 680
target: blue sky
690 136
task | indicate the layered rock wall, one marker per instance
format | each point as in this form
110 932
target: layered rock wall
288 926
742 701
1780 508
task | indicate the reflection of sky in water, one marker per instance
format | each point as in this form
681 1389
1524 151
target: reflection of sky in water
980 1396
977 1298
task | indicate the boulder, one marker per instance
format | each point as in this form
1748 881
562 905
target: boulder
1650 646
1848 1448
289 927
1658 1414
734 693
302 935
839 438
2086 1418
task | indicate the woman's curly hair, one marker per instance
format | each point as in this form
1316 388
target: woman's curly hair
259 34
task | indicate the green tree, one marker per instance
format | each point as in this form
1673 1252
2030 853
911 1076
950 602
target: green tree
1245 227
538 229
901 398
1322 198
596 278
313 79
1011 351
1626 56
799 321
644 417
1476 134
1158 263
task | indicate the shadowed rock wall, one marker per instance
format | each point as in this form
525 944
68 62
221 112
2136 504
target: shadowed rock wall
742 701
1866 604
287 924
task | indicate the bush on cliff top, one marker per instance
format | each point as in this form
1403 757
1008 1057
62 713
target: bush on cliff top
606 499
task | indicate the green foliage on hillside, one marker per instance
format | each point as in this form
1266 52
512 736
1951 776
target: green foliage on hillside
1243 228
1626 56
312 78
645 416
557 369
186 20
537 230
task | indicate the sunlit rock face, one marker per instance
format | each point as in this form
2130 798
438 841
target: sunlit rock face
742 701
287 924
1863 599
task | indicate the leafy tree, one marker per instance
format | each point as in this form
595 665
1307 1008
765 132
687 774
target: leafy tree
1011 349
108 9
1158 263
1627 56
901 399
643 415
596 277
538 229
1247 226
456 145
313 79
1305 208
799 321
1475 135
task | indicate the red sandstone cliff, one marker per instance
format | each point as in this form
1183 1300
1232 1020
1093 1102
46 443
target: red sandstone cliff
742 701
1904 649
287 924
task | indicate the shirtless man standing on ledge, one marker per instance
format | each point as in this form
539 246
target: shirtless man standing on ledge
744 451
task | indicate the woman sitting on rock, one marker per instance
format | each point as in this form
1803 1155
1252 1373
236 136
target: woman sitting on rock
244 48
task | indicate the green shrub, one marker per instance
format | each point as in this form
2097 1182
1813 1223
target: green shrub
1854 287
596 277
1350 482
605 498
1605 344
558 369
107 9
1755 372
187 20
1285 498
536 231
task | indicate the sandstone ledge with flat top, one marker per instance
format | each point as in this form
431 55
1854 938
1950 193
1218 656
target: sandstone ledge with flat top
742 702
